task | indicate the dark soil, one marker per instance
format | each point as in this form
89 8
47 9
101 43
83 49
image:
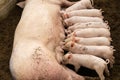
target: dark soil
7 28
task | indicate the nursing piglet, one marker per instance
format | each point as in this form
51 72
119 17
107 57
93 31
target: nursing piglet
90 32
78 19
84 12
88 61
99 41
105 52
88 25
83 4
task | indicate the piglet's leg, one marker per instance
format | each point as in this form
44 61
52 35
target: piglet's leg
107 71
100 72
77 67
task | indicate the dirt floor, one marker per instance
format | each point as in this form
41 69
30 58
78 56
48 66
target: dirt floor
7 27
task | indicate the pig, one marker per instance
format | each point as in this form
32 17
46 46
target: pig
5 7
89 25
83 12
83 4
37 36
90 32
88 61
98 41
81 19
105 52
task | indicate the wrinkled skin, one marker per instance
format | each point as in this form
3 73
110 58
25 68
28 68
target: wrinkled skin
77 19
37 36
90 32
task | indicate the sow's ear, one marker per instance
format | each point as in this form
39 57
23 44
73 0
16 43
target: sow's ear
21 4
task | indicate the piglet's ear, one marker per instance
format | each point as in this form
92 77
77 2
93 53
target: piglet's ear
69 56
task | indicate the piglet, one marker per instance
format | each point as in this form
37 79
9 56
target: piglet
99 41
90 32
88 61
81 19
105 52
88 25
83 4
84 12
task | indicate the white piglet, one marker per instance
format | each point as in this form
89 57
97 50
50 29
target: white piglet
83 4
99 41
84 12
90 32
105 52
78 19
88 61
88 25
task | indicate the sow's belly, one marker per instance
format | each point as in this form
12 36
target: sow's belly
28 59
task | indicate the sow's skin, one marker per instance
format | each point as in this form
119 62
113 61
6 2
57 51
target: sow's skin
37 36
